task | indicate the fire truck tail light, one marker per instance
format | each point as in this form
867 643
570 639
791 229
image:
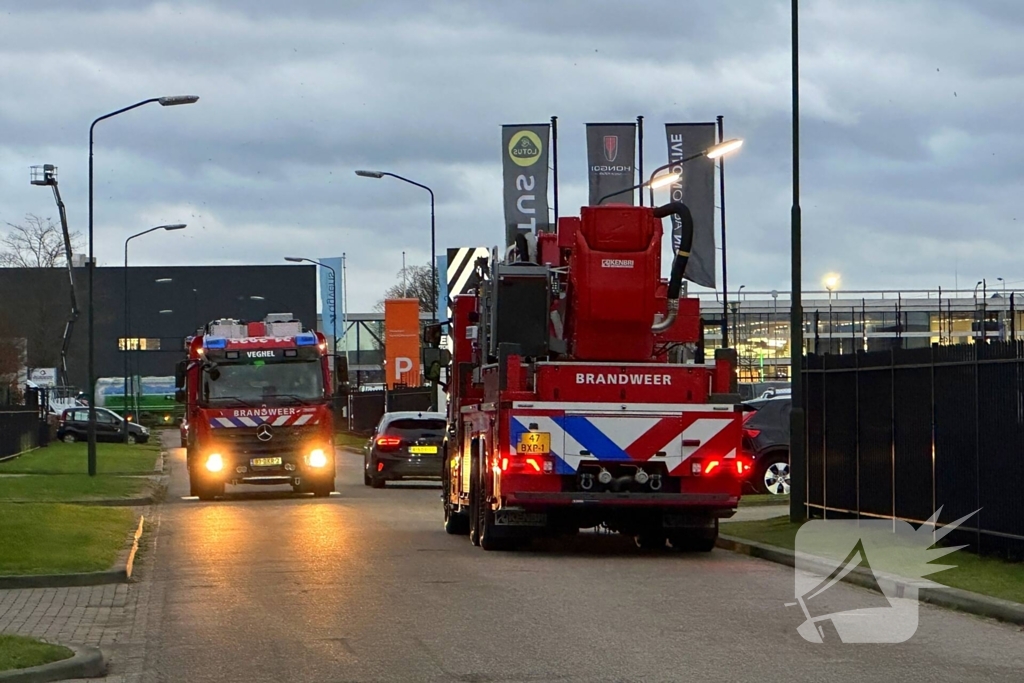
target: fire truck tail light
711 466
532 462
515 464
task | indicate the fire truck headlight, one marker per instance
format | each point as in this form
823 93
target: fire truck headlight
317 458
214 462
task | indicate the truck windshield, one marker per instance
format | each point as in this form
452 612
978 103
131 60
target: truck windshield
261 382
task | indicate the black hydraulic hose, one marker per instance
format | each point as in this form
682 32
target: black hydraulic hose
522 246
682 256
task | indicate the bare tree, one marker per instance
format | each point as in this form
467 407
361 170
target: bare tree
413 283
36 243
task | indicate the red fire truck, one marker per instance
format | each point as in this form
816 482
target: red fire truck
580 396
258 407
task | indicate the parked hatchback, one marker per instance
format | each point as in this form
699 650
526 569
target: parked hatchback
74 426
766 441
405 445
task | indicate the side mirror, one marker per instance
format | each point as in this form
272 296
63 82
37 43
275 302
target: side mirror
179 395
179 374
432 335
341 369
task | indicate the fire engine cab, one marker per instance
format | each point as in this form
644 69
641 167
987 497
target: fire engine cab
258 407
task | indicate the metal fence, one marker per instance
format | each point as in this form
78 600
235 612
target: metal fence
899 433
19 431
365 408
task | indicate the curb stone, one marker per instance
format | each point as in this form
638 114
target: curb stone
122 573
87 662
942 596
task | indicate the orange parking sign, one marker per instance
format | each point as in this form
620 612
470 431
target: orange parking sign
402 341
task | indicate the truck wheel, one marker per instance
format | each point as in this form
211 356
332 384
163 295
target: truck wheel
455 523
193 483
484 517
210 490
696 541
650 540
323 489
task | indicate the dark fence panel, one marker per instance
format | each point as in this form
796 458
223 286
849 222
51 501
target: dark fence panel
19 431
902 432
367 407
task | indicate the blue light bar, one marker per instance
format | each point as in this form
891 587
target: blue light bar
215 342
305 339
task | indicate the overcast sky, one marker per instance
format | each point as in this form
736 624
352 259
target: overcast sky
912 153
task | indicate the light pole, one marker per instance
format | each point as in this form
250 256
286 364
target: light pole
334 304
831 282
433 246
164 102
127 328
736 320
798 454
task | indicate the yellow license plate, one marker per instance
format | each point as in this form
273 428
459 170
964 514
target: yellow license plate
534 443
422 449
265 462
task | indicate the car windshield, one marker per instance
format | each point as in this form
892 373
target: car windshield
261 382
416 428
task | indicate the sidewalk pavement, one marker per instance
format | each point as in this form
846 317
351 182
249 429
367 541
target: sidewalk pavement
112 617
756 513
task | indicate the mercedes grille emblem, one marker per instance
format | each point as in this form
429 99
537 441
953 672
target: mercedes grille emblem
264 433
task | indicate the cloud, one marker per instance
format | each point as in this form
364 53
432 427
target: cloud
910 144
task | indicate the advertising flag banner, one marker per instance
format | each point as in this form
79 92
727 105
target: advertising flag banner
402 342
524 156
331 308
696 189
611 160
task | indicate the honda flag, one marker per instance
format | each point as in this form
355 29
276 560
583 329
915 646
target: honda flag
611 155
696 189
525 170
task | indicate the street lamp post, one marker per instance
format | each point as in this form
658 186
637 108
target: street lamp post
433 243
334 306
736 319
798 454
127 328
831 282
90 271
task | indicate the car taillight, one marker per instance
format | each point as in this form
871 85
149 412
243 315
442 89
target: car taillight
388 443
752 433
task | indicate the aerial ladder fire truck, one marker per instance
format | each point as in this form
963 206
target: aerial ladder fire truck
579 396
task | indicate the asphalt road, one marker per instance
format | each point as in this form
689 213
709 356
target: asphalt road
366 586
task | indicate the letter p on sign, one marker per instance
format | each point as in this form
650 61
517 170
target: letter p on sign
403 366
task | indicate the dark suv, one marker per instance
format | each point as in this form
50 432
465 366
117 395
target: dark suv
74 425
766 440
405 445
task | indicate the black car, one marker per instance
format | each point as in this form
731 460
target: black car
405 445
74 426
766 441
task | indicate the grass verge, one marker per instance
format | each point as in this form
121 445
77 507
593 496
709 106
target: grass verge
19 652
350 440
71 458
54 488
61 539
763 499
986 575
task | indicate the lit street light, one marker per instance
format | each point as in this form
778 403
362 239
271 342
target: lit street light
655 181
831 282
170 101
127 328
433 248
334 300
